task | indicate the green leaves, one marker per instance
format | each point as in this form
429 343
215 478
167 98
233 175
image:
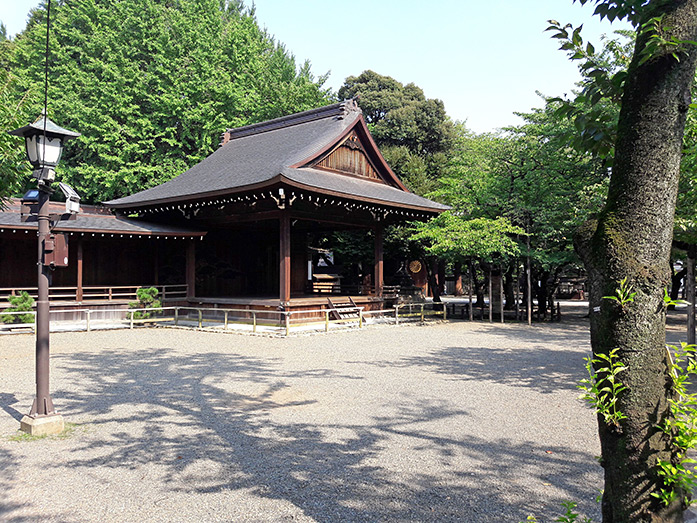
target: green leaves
13 165
602 388
19 303
152 84
617 9
660 40
624 294
677 475
453 236
595 108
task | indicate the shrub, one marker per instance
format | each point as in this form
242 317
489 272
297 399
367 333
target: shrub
20 303
147 298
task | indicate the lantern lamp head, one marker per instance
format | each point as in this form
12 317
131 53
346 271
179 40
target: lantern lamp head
44 142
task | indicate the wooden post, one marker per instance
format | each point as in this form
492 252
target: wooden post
690 288
529 283
517 291
284 258
191 269
501 293
471 304
379 276
78 292
491 298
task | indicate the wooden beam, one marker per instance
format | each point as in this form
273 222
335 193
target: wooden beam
284 257
379 265
78 292
191 269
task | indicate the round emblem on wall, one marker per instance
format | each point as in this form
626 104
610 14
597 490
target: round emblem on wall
415 266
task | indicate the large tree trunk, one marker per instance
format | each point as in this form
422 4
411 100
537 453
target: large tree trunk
632 238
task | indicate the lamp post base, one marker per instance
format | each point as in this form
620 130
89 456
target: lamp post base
42 425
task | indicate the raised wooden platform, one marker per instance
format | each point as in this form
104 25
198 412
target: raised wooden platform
297 303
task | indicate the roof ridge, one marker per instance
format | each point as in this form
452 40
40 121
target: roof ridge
339 110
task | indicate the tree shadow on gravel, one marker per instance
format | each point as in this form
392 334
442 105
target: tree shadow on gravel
182 413
538 368
11 511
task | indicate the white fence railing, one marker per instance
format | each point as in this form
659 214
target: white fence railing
96 292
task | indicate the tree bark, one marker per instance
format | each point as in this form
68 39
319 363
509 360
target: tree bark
631 238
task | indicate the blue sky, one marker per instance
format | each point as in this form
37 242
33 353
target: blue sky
484 59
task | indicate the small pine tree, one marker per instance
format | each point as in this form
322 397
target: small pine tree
20 303
147 299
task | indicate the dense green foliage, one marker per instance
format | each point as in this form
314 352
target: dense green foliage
152 84
13 114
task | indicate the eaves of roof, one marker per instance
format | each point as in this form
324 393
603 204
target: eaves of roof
101 224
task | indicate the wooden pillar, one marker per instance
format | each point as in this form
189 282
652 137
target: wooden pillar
284 257
491 298
517 291
78 292
471 281
690 288
529 285
379 265
156 264
501 297
191 268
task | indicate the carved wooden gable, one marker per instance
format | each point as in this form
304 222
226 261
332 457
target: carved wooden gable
350 157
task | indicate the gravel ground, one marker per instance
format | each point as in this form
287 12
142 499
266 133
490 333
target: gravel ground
451 421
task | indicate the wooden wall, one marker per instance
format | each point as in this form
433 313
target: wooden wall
106 261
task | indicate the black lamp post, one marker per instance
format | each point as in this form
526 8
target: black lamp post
44 142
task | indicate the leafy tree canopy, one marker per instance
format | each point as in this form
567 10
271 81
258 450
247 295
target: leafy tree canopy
400 115
454 237
151 84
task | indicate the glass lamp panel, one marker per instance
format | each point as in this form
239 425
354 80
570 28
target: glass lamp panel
49 150
32 153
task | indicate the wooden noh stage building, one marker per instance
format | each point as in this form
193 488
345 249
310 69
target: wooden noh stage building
247 211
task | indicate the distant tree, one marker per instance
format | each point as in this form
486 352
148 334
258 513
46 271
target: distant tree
151 85
13 165
533 178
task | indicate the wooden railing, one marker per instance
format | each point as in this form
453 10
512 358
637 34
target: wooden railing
336 288
104 293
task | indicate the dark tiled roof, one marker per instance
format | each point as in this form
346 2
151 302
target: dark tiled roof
265 153
97 223
246 161
355 186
